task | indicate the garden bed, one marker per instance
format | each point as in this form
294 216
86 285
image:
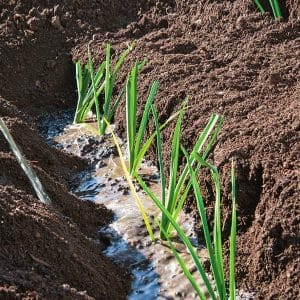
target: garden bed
226 57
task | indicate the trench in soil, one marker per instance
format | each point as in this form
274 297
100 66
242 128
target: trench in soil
154 270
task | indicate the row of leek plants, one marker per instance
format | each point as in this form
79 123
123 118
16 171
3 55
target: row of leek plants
219 287
172 200
175 193
90 86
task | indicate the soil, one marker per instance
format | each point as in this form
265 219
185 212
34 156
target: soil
226 57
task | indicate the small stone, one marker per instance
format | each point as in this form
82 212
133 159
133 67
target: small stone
38 84
18 17
125 192
66 286
83 25
28 32
139 246
180 294
45 12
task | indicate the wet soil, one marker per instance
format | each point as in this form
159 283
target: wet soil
128 240
223 54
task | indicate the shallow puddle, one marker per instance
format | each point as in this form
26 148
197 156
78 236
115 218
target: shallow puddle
156 274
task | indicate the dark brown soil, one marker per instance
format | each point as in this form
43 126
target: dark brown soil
44 251
225 56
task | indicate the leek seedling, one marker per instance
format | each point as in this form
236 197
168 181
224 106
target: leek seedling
136 150
274 5
214 245
232 238
185 240
90 85
84 88
174 195
135 134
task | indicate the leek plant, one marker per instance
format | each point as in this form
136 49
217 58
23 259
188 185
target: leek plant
91 84
137 146
135 136
215 245
217 289
175 193
274 5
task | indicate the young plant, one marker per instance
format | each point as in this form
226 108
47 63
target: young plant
274 5
136 133
84 89
135 136
90 85
217 289
174 195
232 238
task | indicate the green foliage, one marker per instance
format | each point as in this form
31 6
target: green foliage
91 85
274 5
175 193
135 134
217 289
182 236
136 143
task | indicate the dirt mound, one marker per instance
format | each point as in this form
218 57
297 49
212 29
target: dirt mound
53 259
44 250
224 55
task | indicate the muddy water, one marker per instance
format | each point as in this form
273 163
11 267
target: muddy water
155 272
